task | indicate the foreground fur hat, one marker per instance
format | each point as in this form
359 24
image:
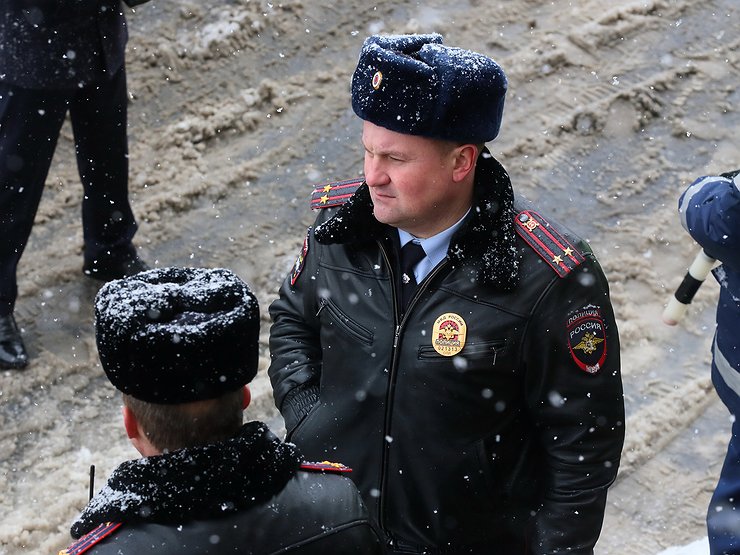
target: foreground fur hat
414 84
175 335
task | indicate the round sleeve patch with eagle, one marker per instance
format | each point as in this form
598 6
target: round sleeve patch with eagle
587 338
301 260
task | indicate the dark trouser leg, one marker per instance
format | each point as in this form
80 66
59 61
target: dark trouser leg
723 515
30 121
99 120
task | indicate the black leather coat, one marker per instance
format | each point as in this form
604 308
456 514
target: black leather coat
247 496
504 444
60 44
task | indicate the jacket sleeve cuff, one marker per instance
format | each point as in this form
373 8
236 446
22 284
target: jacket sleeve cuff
298 403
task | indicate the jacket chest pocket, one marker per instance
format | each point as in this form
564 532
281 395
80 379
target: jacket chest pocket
335 317
483 352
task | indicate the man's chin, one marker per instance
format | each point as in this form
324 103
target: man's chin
383 217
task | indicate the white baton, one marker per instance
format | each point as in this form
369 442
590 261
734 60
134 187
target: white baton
679 302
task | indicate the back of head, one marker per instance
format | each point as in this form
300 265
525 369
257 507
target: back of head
414 84
178 335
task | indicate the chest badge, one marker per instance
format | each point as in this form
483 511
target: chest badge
448 334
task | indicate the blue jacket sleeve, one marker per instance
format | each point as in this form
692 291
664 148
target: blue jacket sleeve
710 212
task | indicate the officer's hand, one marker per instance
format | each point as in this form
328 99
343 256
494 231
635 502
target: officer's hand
730 175
298 403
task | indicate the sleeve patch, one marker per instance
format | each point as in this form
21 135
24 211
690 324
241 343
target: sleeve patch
325 466
334 194
587 338
92 538
300 261
546 241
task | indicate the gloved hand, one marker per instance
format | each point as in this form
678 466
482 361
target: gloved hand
730 175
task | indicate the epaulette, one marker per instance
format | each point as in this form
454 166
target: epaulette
546 241
92 538
334 194
325 466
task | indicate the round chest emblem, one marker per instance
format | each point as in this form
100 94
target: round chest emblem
377 80
448 334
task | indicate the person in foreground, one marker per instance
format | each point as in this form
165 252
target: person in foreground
477 389
59 58
181 345
710 211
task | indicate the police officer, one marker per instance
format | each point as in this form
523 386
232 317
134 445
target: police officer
476 382
181 344
710 212
59 56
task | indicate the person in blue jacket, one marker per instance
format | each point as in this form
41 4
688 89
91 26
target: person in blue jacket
59 57
710 212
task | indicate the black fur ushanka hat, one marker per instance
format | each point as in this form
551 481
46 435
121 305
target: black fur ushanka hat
414 84
176 335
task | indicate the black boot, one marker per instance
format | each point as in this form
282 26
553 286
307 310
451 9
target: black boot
12 351
110 268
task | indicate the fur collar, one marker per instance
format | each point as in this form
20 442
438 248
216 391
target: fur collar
192 483
485 245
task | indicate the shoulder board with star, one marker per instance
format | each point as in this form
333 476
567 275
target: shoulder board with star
92 538
325 466
334 194
548 242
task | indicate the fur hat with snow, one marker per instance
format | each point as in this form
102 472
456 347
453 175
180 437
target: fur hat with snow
414 84
175 335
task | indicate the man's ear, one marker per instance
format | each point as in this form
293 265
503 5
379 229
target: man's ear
130 423
136 434
247 397
465 158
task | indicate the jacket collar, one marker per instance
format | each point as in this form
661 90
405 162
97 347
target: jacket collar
485 244
196 482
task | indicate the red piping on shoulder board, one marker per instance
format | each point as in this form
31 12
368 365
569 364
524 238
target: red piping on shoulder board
92 538
552 247
325 466
334 194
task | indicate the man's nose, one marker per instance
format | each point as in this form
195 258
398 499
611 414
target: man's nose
375 175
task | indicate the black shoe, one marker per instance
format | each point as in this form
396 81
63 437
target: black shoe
107 269
13 354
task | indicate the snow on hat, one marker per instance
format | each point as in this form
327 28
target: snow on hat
175 335
414 84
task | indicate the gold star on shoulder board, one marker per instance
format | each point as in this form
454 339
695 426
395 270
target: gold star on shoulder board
324 199
327 188
568 251
557 259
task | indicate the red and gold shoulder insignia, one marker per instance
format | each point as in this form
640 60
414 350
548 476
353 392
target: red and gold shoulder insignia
325 466
92 538
551 245
334 194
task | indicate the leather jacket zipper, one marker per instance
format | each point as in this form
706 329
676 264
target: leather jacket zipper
399 325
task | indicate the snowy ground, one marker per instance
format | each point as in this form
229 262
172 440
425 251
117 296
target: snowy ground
239 106
699 547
